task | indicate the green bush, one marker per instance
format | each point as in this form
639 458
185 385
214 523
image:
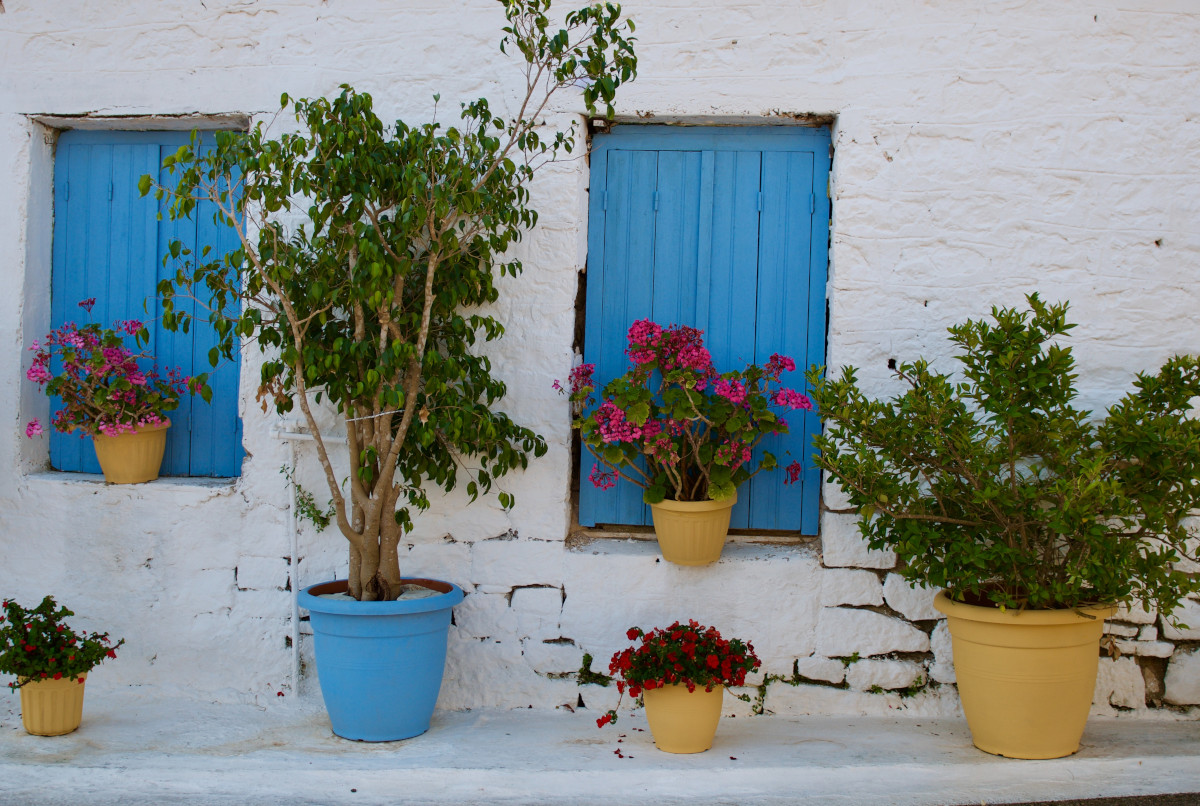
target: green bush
994 486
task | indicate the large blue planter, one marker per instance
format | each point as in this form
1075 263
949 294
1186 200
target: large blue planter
380 663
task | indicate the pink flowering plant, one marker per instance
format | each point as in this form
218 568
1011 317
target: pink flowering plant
101 381
36 644
696 429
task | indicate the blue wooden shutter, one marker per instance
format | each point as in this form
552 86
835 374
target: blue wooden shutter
725 230
109 245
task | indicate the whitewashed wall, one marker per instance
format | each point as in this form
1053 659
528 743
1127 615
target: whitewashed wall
981 153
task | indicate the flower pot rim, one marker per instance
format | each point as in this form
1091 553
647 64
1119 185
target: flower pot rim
141 429
696 506
309 599
995 615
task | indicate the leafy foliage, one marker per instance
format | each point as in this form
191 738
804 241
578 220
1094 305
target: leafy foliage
36 644
999 489
676 427
377 302
104 386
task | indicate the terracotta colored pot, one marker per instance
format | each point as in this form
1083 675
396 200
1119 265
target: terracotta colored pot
134 457
683 721
692 532
1026 678
52 707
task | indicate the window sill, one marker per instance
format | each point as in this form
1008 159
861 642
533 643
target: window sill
580 536
176 484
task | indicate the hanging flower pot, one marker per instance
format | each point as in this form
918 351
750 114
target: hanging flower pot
683 721
380 663
1026 677
52 707
133 457
683 432
692 532
108 390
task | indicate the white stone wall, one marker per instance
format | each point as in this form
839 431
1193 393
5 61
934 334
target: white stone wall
983 151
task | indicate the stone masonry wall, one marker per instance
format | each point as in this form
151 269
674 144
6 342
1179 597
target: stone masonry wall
982 151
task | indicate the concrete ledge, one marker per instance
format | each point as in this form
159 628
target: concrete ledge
132 749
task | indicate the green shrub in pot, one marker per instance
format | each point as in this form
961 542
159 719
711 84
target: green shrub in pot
995 486
1036 517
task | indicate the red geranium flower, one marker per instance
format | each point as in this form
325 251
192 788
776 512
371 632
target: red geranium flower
682 654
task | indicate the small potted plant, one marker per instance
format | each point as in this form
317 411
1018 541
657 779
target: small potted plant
1034 516
51 663
680 673
683 432
109 394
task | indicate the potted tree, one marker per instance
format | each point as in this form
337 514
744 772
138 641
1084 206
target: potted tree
51 663
1036 518
374 305
683 432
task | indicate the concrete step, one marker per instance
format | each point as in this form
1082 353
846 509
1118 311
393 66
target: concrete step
135 747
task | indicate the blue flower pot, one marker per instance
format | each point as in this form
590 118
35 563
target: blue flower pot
380 663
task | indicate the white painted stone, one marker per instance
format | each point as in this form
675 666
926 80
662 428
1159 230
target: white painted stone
941 643
843 632
821 700
916 220
832 495
552 658
261 573
497 672
915 604
1183 678
537 611
484 615
1148 633
1187 626
1119 683
1138 614
638 589
1149 649
842 545
1122 630
517 562
804 700
827 669
886 674
843 586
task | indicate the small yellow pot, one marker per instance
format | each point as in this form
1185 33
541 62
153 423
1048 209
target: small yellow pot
692 532
1026 678
52 707
132 458
683 721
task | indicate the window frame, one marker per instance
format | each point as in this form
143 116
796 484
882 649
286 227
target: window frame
816 139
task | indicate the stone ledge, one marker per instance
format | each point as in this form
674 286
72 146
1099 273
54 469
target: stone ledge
136 750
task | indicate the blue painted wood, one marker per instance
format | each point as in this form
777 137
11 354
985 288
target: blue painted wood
108 245
736 247
734 293
785 233
624 294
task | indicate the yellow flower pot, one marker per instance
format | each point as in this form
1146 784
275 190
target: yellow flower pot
1026 678
683 721
52 707
692 532
134 457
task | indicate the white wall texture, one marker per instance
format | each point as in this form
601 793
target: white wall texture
983 150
